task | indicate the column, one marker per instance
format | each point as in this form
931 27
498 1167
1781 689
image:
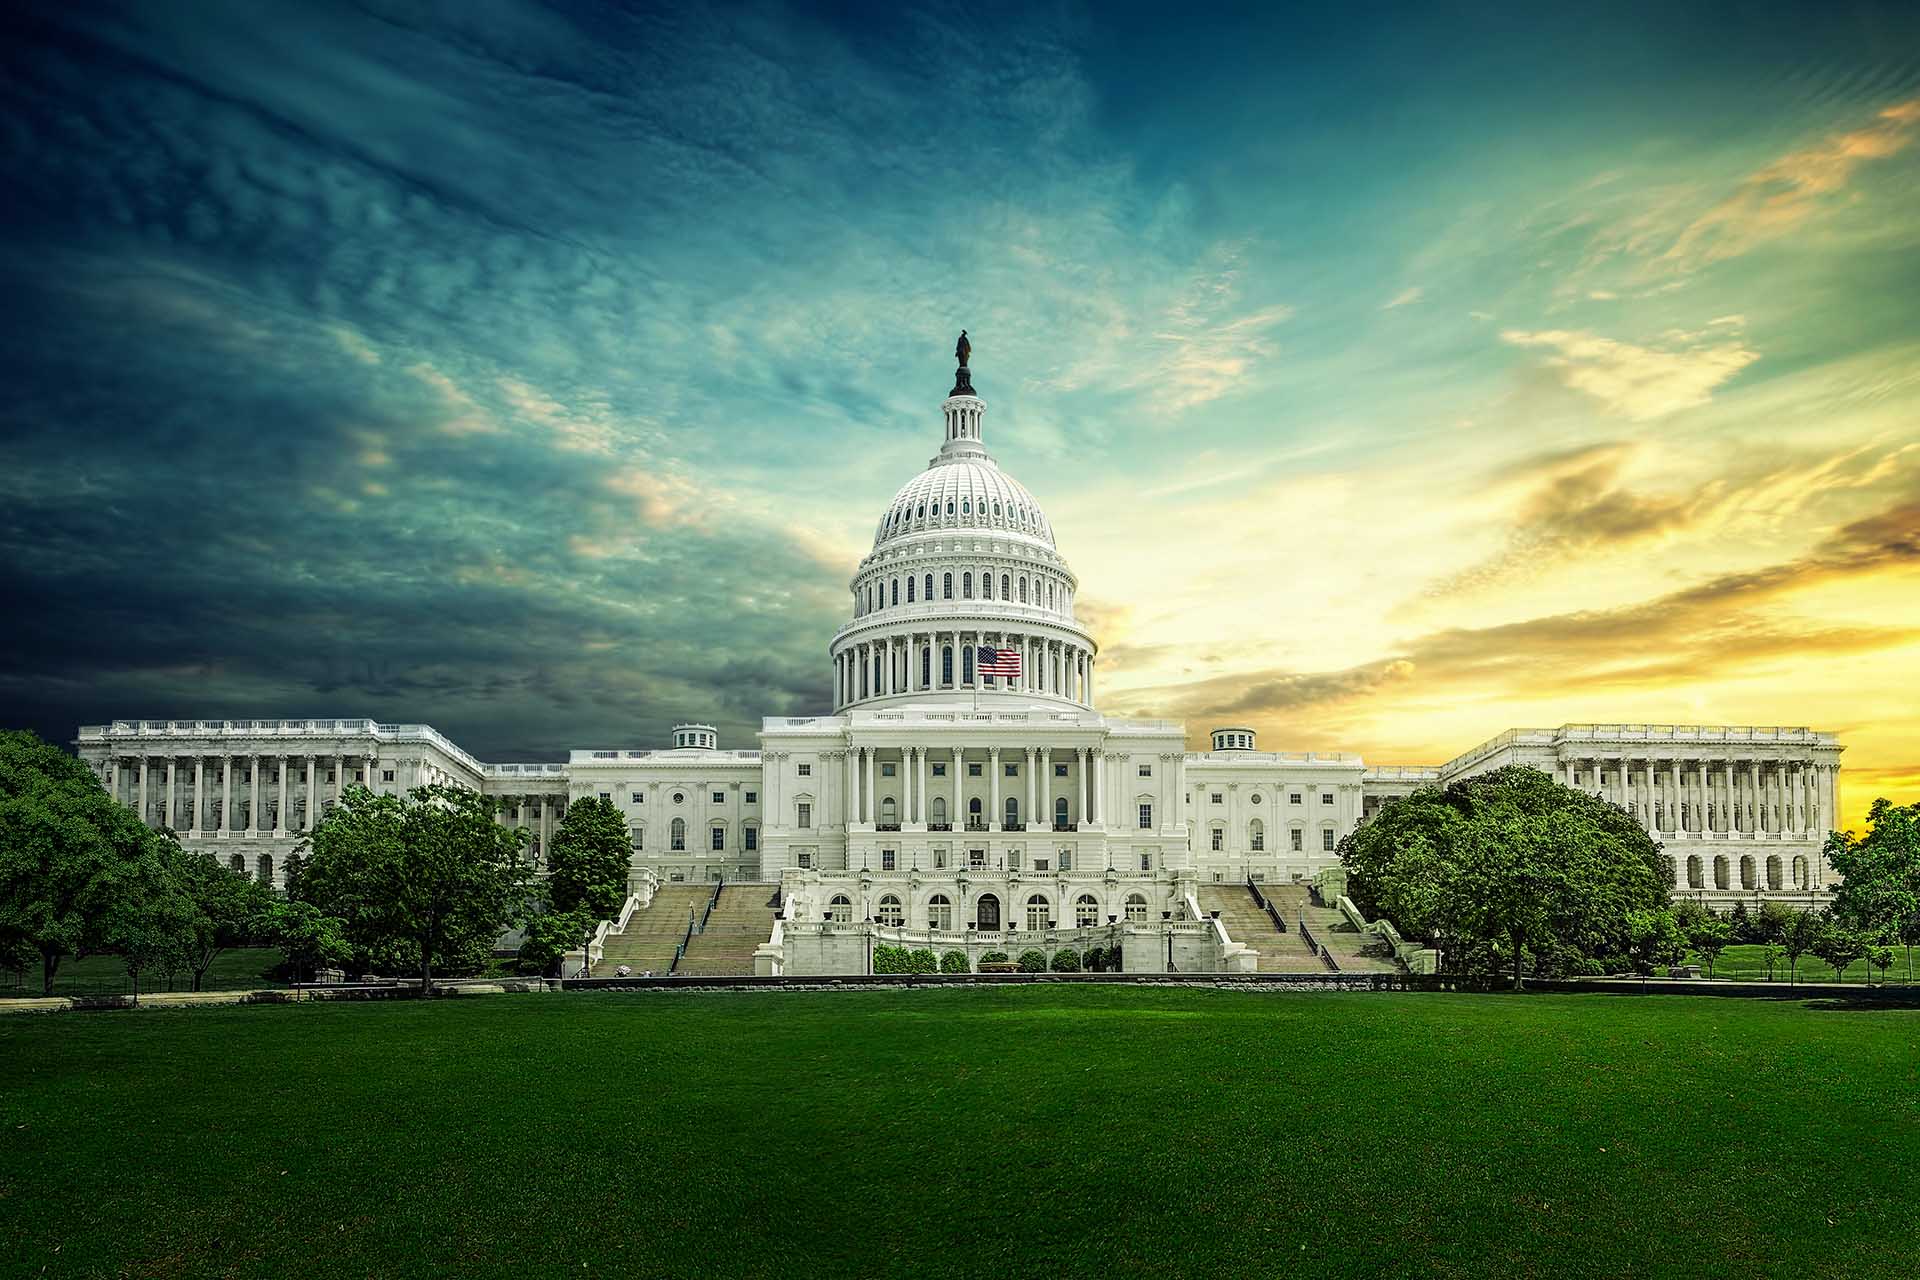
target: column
866 800
993 786
1097 762
958 815
226 793
907 779
283 764
144 817
920 786
306 814
199 795
1733 798
173 802
253 795
1033 786
546 826
1082 762
850 781
1090 672
339 777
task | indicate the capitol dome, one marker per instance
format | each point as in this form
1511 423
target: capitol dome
964 570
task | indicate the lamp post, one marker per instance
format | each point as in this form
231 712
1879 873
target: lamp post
869 932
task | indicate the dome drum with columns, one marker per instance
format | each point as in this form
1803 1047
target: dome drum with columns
963 559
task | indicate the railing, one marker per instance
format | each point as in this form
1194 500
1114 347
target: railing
972 825
1326 956
1261 901
712 902
939 826
1066 826
886 826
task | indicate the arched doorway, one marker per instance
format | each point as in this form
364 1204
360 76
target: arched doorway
987 912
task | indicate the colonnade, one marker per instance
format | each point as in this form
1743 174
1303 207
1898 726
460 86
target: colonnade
1687 795
919 789
216 814
922 662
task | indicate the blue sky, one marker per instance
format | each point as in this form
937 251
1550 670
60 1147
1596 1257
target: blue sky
1392 375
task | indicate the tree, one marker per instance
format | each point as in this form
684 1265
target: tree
427 877
1879 893
1510 864
1839 946
1709 936
1799 935
1657 938
587 865
71 856
1880 956
309 938
151 924
1769 929
226 909
550 935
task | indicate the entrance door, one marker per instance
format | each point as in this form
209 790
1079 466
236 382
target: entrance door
988 912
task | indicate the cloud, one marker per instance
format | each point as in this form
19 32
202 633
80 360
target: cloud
1636 382
1781 196
1406 297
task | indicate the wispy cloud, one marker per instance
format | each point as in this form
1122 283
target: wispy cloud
1639 382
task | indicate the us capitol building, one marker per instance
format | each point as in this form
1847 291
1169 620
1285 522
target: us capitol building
946 805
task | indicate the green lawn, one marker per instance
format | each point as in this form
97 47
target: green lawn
241 969
1057 1131
1747 962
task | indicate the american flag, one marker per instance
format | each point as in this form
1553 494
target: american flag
989 661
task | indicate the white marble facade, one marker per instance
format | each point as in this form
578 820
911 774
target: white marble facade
948 800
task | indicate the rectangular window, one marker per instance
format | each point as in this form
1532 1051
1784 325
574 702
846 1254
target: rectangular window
1013 859
804 817
1146 860
607 796
1059 771
1146 771
1146 817
977 859
639 797
806 860
386 775
806 770
719 837
1326 797
1297 846
1013 771
973 770
1293 797
939 859
1066 859
1040 864
639 835
1219 839
939 771
753 838
753 797
719 797
1326 839
886 859
1218 798
886 770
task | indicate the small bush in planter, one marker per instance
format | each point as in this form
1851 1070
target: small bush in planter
1033 961
994 957
1066 960
891 960
923 961
955 962
1094 961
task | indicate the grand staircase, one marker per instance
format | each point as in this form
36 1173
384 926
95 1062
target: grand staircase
1353 950
1249 924
654 932
741 920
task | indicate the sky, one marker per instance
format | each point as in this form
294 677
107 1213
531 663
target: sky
1391 375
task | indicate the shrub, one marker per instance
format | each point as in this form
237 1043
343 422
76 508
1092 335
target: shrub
923 961
994 957
1094 961
1033 961
891 960
1066 960
955 962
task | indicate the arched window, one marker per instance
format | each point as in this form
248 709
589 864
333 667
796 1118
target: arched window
264 867
920 512
1013 812
840 910
939 912
1720 877
1006 587
927 594
896 591
717 839
966 506
1049 595
966 665
890 912
1039 915
1256 836
926 666
1799 872
1136 907
1060 812
1086 911
946 586
973 813
996 511
677 835
1695 880
238 863
939 808
966 586
1023 590
946 664
889 812
1773 871
909 590
949 507
986 586
1749 877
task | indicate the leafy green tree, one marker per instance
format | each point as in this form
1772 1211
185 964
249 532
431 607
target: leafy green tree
1880 956
1508 864
550 935
587 865
1769 929
1657 937
151 926
432 877
1066 960
1709 937
1742 925
1800 935
1839 946
72 858
308 937
1880 890
226 909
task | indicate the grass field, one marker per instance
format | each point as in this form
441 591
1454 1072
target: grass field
241 969
1747 962
1057 1131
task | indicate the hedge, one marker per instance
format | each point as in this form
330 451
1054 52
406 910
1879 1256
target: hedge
994 957
923 961
955 962
1066 960
1033 961
892 960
